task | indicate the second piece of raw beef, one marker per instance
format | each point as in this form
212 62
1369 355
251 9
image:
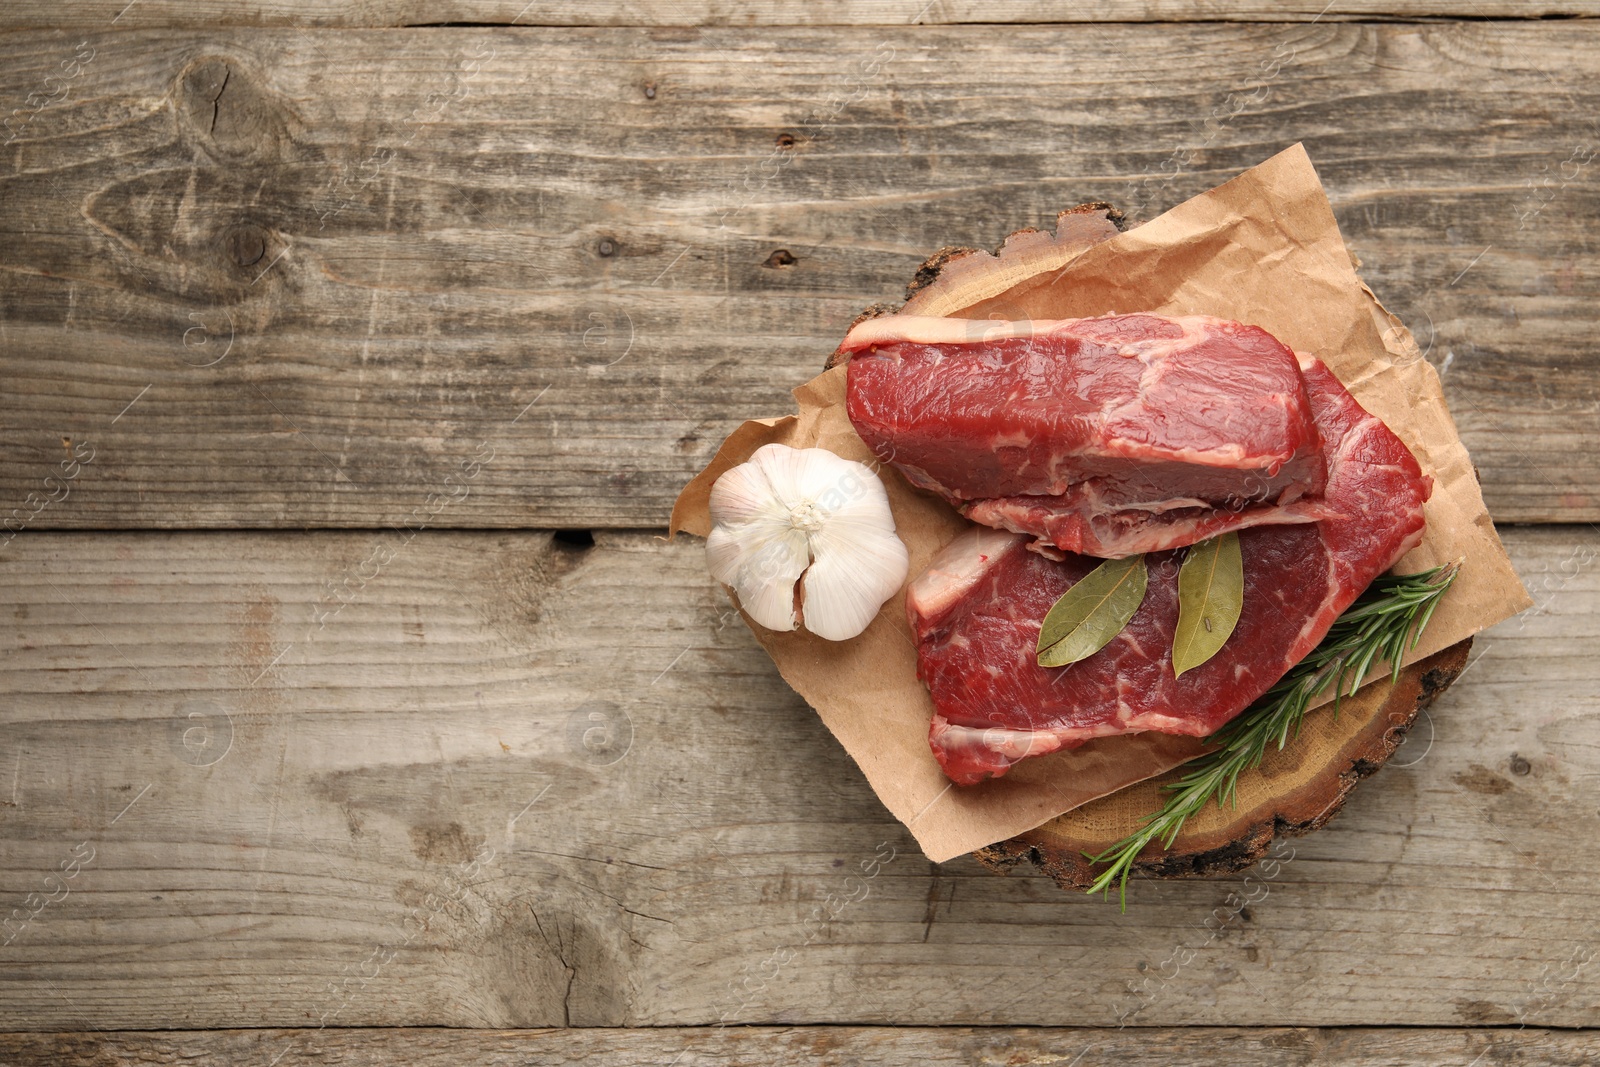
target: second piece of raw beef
976 613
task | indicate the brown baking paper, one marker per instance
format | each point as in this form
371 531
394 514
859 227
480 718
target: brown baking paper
1263 249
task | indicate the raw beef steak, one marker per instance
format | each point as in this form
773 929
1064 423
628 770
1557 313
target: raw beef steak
977 609
1108 436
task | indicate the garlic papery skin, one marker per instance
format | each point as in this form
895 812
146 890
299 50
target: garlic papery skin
805 515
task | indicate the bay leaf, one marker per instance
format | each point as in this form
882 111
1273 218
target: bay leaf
1092 612
1210 597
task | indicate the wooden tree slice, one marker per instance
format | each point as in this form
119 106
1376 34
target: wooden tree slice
970 283
1295 790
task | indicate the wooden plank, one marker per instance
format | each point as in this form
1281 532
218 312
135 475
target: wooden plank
302 279
833 1046
493 779
95 14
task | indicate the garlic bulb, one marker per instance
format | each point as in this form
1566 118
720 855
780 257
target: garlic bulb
805 515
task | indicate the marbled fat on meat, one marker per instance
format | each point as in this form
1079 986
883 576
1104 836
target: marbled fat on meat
1108 436
977 609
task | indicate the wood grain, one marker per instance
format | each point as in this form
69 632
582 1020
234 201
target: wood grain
300 278
811 1046
285 803
95 14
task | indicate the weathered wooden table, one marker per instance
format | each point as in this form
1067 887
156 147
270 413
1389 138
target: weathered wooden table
352 355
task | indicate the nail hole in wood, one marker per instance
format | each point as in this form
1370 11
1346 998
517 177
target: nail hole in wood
574 539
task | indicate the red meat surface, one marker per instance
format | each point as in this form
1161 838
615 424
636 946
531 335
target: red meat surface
976 612
1107 436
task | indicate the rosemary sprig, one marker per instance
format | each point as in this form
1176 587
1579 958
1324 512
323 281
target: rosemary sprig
1383 623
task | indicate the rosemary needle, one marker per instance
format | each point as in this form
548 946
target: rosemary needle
1382 624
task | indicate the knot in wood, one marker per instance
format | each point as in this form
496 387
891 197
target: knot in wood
226 111
244 245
